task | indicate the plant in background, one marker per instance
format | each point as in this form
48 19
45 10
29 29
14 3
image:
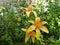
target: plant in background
37 26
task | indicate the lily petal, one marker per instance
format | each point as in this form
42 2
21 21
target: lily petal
31 28
33 36
37 19
27 13
37 34
43 28
27 37
23 29
29 10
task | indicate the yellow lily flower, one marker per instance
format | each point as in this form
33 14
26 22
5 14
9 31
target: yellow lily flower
29 9
38 24
29 33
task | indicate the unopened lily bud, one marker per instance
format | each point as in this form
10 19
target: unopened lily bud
19 19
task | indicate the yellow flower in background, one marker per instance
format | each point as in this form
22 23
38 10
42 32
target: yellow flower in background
39 25
29 10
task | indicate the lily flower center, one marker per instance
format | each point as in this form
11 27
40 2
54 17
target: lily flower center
38 24
31 34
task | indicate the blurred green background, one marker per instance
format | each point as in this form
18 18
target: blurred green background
10 27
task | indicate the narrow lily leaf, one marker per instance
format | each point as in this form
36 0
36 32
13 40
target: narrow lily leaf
31 21
35 14
44 22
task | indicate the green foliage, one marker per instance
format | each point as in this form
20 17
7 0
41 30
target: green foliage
10 27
